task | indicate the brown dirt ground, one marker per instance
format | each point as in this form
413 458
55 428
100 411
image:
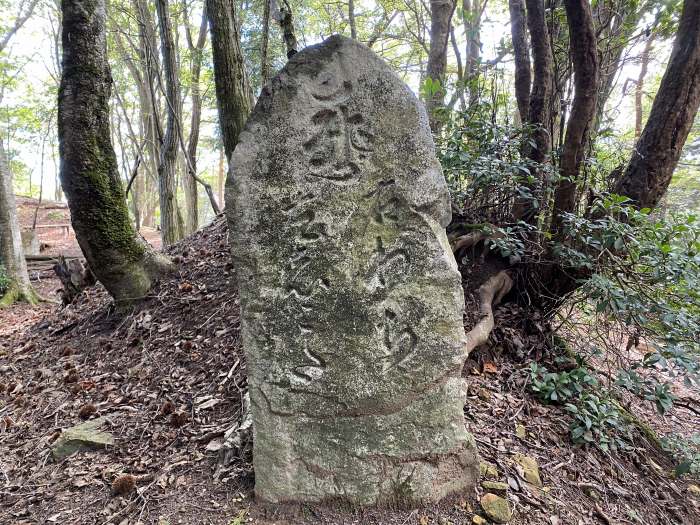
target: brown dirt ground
180 349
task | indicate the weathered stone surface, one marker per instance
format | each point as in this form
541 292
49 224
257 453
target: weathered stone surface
351 299
85 436
530 469
496 508
495 485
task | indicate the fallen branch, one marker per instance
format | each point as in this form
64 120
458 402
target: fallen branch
490 294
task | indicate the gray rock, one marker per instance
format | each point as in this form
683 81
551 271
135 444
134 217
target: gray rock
351 299
85 436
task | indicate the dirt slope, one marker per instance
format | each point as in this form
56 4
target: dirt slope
169 376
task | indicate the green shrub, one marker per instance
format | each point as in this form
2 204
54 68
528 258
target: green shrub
597 421
686 453
4 280
560 387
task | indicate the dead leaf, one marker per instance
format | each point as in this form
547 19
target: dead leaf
490 367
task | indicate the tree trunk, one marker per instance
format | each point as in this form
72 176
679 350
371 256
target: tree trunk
672 114
169 224
440 20
232 89
189 182
584 55
221 178
351 19
523 75
639 87
540 100
541 95
125 264
11 252
283 15
471 19
264 60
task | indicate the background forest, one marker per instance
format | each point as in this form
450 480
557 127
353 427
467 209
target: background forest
479 77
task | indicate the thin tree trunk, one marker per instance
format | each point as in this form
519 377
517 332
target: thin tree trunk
584 56
221 179
639 88
541 94
283 15
189 182
540 100
124 263
11 252
232 89
169 224
523 75
351 19
471 19
264 60
440 20
656 154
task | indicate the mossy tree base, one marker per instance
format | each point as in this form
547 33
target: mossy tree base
16 293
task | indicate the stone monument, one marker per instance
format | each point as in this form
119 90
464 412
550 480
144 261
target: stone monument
351 300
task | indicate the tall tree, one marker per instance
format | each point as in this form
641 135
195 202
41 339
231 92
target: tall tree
233 94
264 42
169 223
656 154
540 101
521 51
11 252
125 264
196 48
584 56
441 12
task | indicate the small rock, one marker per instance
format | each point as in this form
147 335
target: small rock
484 394
495 485
496 508
478 520
531 470
488 470
694 490
520 431
81 437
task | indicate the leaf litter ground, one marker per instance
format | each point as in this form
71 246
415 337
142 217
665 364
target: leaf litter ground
169 377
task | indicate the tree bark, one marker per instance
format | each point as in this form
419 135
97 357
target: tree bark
440 20
189 182
541 94
656 154
221 179
584 56
265 39
472 11
283 15
11 252
170 230
125 264
539 111
351 19
523 75
232 89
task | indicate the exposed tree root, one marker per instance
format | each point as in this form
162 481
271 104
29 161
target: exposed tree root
490 294
472 238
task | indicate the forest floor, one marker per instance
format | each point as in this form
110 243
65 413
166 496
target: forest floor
169 377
